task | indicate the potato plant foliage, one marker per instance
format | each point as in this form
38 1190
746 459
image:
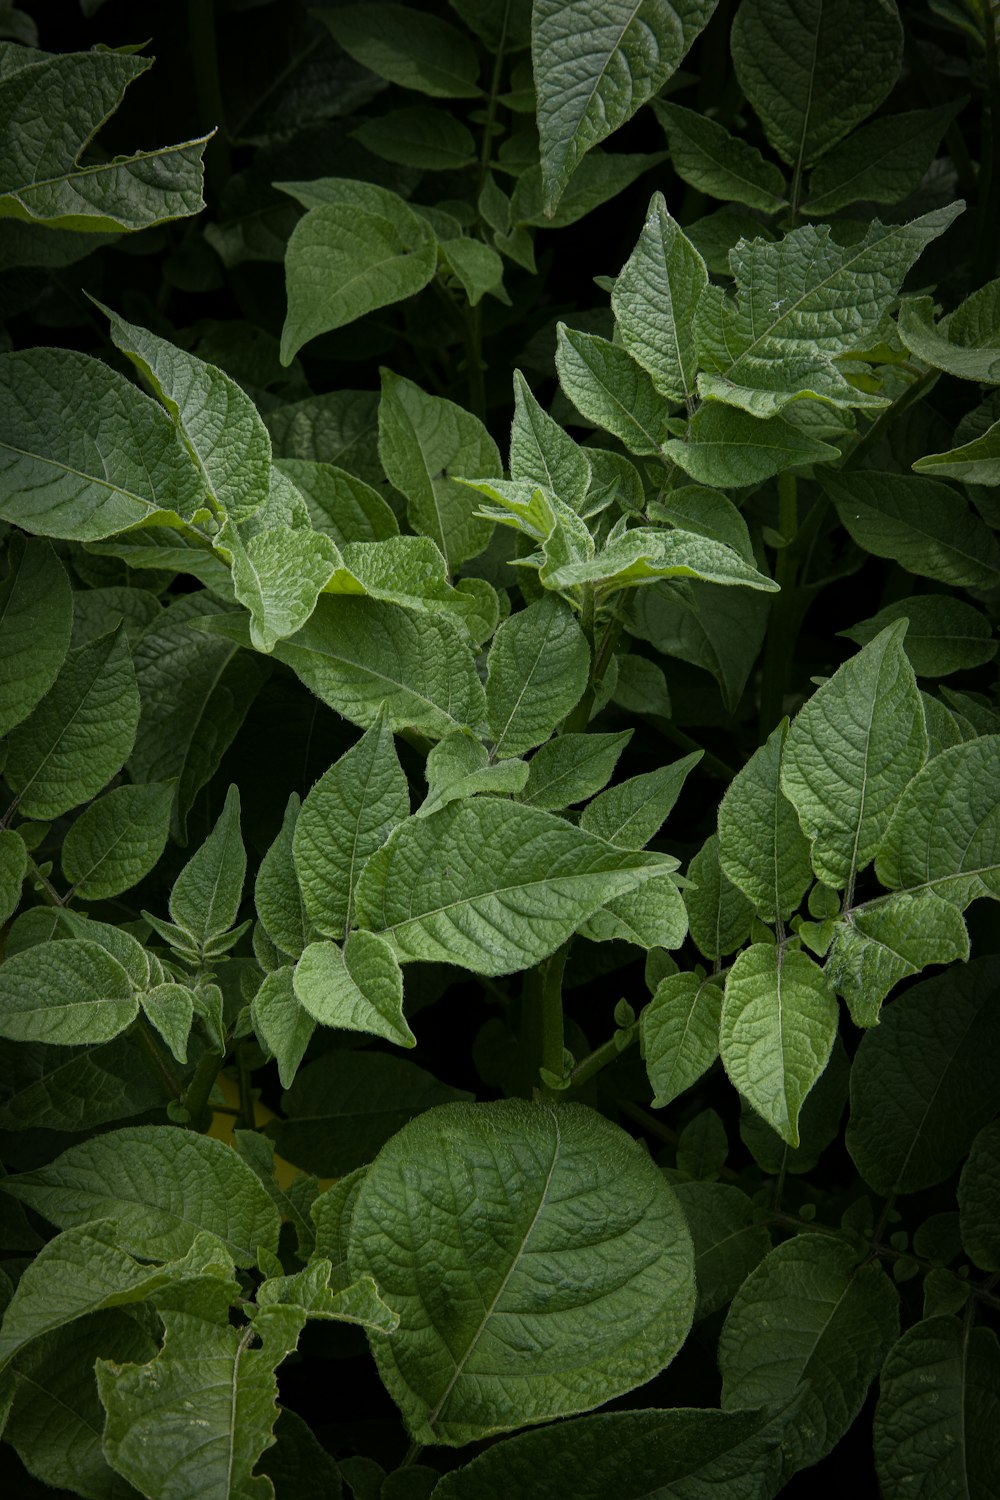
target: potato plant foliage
500 820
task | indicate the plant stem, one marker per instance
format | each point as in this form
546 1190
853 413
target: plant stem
208 91
602 1056
577 721
781 621
246 1118
196 1095
553 1038
541 1031
486 152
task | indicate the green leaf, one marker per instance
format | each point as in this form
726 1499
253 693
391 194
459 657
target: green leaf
851 752
478 268
278 574
491 885
779 1021
926 1079
41 179
205 898
160 1186
343 507
944 836
503 1190
339 428
607 386
170 1008
729 1239
358 987
799 303
643 554
819 1123
935 1422
730 448
117 840
277 896
349 813
679 1032
595 65
310 1291
686 1453
281 1023
58 1088
408 47
976 462
410 570
652 916
298 1465
719 629
98 610
66 994
814 73
654 303
420 136
571 768
705 155
977 1199
600 176
459 766
542 453
538 669
888 941
882 162
718 912
762 849
13 868
922 524
631 813
810 1316
943 636
83 453
424 441
966 343
344 1106
36 615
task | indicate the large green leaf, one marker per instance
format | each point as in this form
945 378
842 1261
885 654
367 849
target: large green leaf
492 885
78 1088
51 107
341 505
966 343
889 940
704 154
719 629
762 849
654 303
65 993
728 448
117 840
610 389
36 616
538 668
882 162
926 1079
679 1029
408 47
566 1271
595 65
943 636
358 987
850 754
811 1316
160 1186
651 916
206 895
977 1198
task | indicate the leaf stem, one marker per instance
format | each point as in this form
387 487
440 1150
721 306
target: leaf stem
486 153
541 1030
781 621
602 1056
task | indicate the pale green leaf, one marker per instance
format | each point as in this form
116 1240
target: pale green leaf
643 554
13 868
729 1237
943 636
281 1023
358 987
976 462
692 507
36 616
607 387
651 916
348 814
411 571
278 574
170 1008
631 813
966 343
779 1021
654 303
705 155
571 768
276 893
978 1188
762 849
851 752
888 940
719 914
117 840
504 1190
542 453
679 1032
882 162
424 441
926 1079
160 1186
491 885
419 136
342 506
65 993
730 448
719 629
944 836
595 65
459 766
205 898
538 668
407 47
809 1315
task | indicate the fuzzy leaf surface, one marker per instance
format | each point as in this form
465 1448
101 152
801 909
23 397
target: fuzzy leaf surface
762 849
654 302
358 987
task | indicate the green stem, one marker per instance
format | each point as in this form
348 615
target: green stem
486 153
779 643
684 741
196 1095
246 1118
600 654
602 1056
52 896
541 1030
553 1037
208 91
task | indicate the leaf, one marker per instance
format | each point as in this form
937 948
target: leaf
66 994
339 429
41 179
762 849
423 442
103 462
651 916
888 941
491 885
539 664
925 1080
205 898
98 610
718 912
13 868
631 813
606 385
779 1021
601 175
349 813
36 615
344 1106
170 1008
808 1315
936 1417
281 1023
504 1189
729 1239
705 155
977 1197
882 162
542 453
644 554
60 1088
654 303
475 266
966 343
298 1464
732 449
278 574
571 768
594 66
975 462
160 1186
922 524
358 987
814 74
819 1123
943 635
277 896
850 754
944 835
679 1032
408 47
459 766
340 505
117 840
719 629
420 136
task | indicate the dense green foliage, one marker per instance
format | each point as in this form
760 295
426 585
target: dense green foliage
501 787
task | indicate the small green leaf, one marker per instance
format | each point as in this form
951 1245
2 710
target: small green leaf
679 1030
459 766
882 162
478 268
278 574
277 895
118 839
943 636
631 813
889 940
729 448
542 453
975 462
718 912
762 849
408 47
651 916
340 505
611 390
358 987
206 895
819 1123
693 507
729 1239
284 1027
170 1008
643 554
65 994
571 768
966 343
705 155
654 303
538 668
420 136
978 1187
36 615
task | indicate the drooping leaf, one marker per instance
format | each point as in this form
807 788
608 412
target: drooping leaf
571 768
762 849
36 615
977 1197
411 571
408 47
632 813
966 343
679 1029
943 636
538 667
729 448
277 895
819 1122
542 453
610 389
118 839
284 1027
206 895
170 1009
65 993
358 987
889 940
533 1174
718 912
654 303
704 154
882 162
